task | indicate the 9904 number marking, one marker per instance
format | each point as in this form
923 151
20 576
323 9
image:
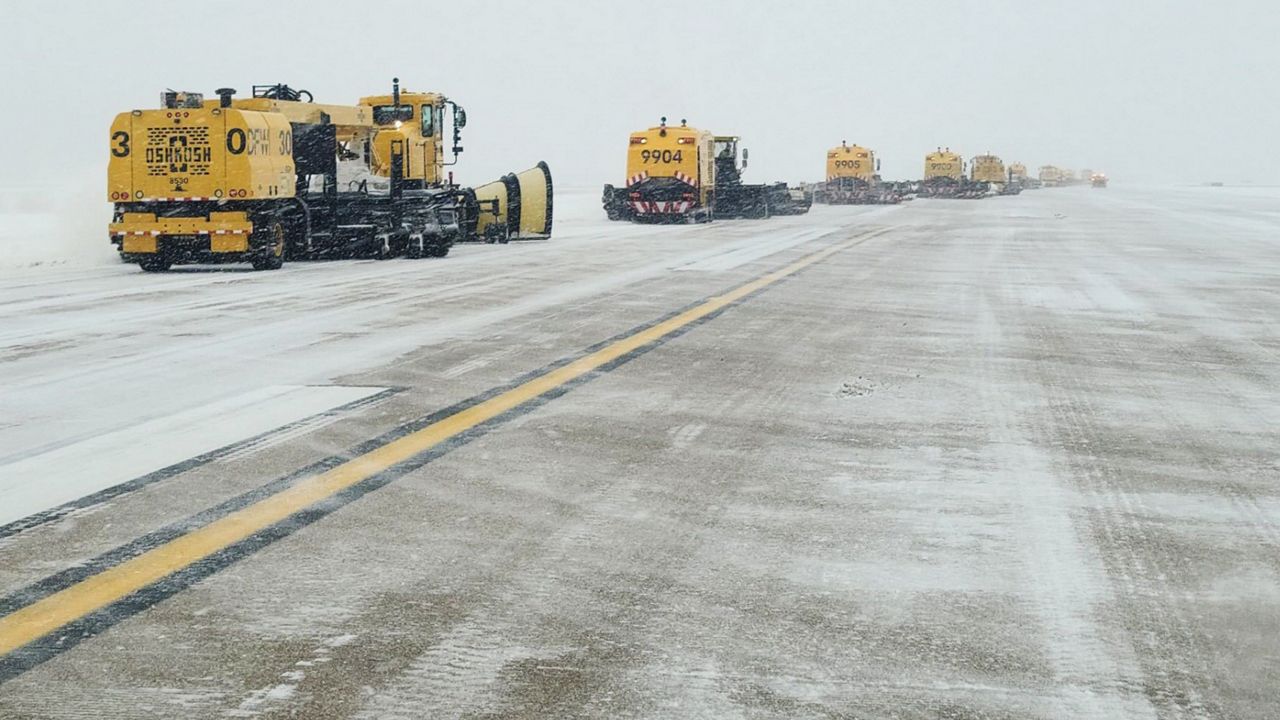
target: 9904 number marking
661 156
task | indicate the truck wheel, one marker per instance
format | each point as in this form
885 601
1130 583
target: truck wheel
439 249
155 263
296 244
272 256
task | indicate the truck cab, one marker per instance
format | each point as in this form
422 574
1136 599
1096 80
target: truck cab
728 171
416 121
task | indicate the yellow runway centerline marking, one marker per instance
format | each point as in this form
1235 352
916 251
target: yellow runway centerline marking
96 592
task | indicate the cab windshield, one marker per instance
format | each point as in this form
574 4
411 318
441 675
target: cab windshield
388 114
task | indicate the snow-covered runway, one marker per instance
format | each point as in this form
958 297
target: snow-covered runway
1005 458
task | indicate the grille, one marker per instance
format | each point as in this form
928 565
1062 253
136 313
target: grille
178 151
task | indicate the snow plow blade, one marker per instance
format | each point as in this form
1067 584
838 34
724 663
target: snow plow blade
517 206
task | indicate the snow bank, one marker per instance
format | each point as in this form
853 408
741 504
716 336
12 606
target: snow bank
55 226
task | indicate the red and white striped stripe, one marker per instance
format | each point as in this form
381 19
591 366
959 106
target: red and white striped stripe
197 232
686 179
661 207
178 199
638 178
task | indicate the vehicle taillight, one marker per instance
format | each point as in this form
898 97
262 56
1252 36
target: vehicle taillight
639 140
635 196
685 140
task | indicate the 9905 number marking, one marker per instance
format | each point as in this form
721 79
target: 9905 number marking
661 156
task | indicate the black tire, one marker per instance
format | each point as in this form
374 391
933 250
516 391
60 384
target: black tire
155 264
271 257
296 245
439 250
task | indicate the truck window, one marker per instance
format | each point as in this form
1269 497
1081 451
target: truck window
428 121
387 114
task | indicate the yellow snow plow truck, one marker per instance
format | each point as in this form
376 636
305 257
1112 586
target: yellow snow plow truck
988 172
682 174
853 178
276 176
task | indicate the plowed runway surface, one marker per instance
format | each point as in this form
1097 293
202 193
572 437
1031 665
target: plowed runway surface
1009 458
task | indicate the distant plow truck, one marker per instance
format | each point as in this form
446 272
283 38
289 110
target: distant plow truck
683 174
276 177
1050 176
944 177
853 178
1018 175
988 176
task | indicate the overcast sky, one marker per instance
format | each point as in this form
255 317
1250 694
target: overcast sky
1149 92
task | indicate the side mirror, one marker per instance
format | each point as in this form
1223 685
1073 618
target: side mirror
877 166
459 122
745 154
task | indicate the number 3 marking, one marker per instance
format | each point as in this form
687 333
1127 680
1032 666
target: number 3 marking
121 140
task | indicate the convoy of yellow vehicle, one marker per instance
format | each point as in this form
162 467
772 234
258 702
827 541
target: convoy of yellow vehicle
275 177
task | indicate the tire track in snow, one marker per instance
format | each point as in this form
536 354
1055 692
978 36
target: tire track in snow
1066 582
